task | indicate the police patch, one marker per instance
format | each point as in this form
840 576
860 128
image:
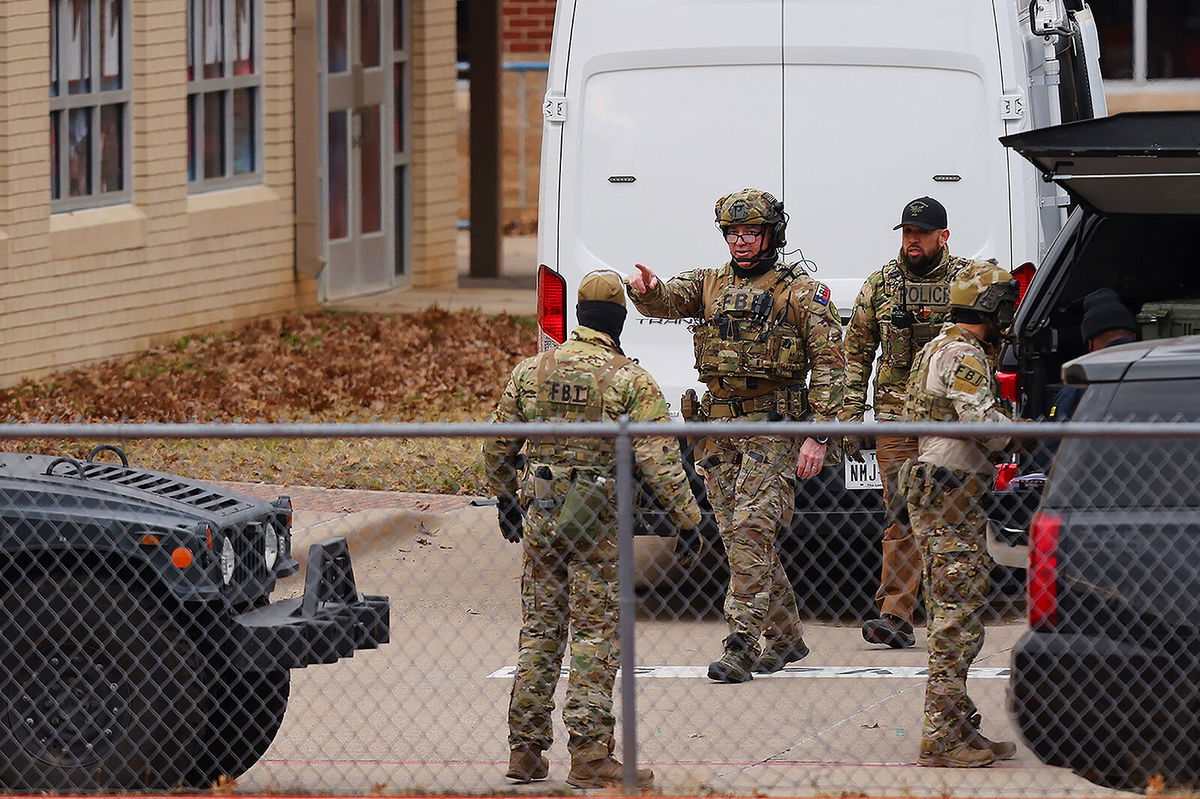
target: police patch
821 297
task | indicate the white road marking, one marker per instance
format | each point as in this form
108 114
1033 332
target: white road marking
808 672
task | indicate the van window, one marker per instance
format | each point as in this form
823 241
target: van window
1131 473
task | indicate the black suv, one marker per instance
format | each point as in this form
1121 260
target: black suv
1135 181
1134 184
1107 680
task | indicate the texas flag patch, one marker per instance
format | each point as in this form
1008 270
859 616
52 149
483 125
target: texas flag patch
822 294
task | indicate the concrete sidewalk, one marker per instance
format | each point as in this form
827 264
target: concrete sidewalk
513 292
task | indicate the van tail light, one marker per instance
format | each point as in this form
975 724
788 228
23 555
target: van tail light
1023 274
552 305
1005 472
1043 571
1009 384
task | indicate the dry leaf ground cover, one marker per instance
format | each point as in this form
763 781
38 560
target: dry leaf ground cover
435 365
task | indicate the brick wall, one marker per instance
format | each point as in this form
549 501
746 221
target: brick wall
105 282
526 27
434 165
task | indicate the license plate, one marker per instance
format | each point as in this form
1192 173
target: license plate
861 476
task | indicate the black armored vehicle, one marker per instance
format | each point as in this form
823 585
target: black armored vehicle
139 648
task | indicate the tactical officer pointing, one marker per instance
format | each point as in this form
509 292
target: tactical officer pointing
561 503
761 327
901 306
953 380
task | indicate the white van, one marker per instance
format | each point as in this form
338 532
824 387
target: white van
844 109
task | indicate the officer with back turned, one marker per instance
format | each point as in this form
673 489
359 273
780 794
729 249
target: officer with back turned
762 326
953 380
561 504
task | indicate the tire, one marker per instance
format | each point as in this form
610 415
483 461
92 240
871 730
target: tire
99 687
244 715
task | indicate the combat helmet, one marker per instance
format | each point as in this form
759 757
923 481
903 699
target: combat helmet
985 288
754 207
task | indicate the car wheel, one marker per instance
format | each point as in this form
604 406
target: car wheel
246 711
99 687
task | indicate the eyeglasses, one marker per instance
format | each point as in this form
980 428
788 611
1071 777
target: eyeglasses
749 236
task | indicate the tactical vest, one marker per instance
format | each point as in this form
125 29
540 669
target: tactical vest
747 336
919 404
929 304
573 393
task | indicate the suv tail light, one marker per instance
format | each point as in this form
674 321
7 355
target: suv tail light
552 306
1043 571
1023 274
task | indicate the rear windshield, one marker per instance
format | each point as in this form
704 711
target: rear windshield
1147 259
1144 259
1131 472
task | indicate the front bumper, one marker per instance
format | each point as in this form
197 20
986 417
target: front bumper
329 622
1112 711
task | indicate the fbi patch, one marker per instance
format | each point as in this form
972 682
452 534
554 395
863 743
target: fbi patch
969 377
821 297
568 393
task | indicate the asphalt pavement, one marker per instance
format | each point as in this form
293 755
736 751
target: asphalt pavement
427 712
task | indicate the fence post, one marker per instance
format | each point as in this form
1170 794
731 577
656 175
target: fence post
626 604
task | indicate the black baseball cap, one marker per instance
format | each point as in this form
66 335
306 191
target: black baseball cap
923 212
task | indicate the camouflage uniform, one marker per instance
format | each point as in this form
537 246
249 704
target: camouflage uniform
570 572
952 380
751 482
894 287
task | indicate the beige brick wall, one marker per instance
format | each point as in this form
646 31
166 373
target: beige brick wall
112 281
434 163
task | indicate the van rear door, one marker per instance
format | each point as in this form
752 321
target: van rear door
884 106
665 113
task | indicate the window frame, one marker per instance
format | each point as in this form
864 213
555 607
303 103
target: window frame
65 102
401 159
227 85
1139 54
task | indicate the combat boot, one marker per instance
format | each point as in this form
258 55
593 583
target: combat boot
527 765
778 654
604 773
1003 750
956 755
734 665
891 630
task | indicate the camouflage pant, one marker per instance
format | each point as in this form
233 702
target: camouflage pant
568 592
751 486
952 530
900 575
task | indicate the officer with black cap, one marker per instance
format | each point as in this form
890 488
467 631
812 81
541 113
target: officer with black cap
901 307
1106 323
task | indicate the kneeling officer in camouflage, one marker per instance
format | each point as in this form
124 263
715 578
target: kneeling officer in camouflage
562 504
761 327
953 380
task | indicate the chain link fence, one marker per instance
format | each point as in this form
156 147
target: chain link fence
160 632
